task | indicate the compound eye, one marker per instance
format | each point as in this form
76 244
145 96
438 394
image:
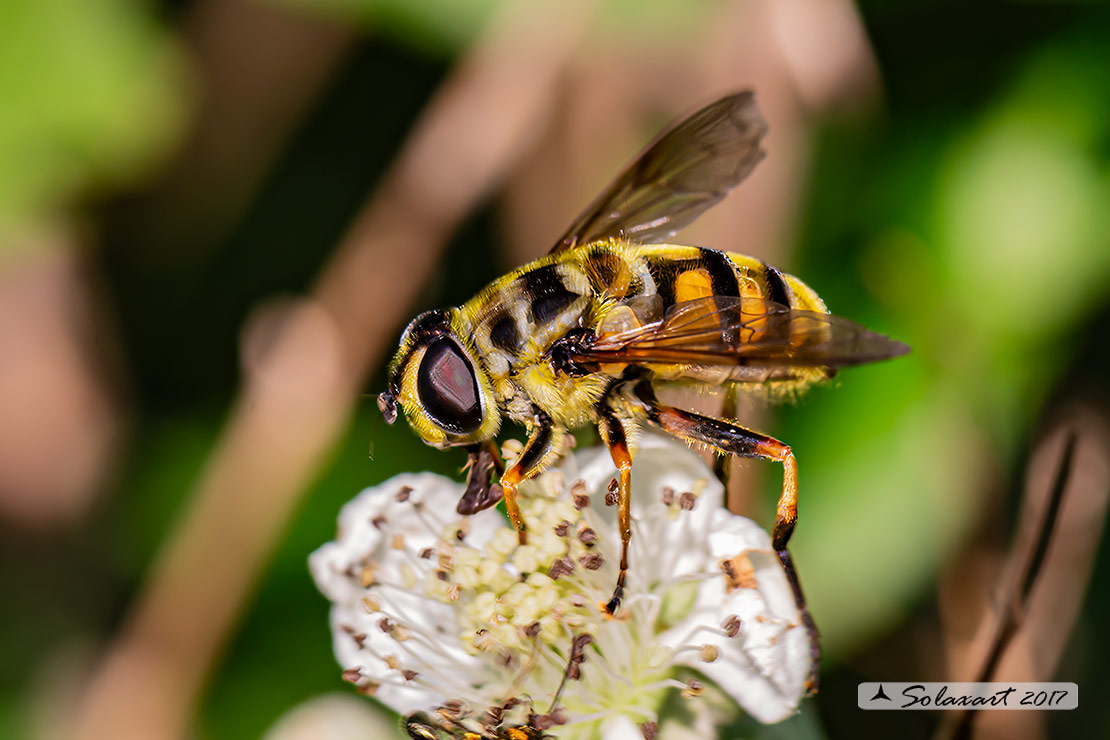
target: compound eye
448 389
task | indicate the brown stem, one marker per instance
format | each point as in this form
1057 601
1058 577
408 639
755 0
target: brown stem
1015 607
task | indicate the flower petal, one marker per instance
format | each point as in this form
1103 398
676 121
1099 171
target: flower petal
374 575
765 666
620 727
333 717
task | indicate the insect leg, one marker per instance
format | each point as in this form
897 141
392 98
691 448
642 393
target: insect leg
612 433
545 440
733 439
722 464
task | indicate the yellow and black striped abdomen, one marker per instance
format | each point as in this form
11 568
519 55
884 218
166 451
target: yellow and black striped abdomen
684 273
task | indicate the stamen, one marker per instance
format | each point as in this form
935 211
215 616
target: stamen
731 625
592 561
580 493
668 496
561 567
586 535
693 688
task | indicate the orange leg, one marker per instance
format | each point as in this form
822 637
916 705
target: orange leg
735 440
722 464
612 432
544 442
509 484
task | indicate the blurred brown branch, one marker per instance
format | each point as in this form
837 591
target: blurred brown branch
1045 575
300 387
1014 607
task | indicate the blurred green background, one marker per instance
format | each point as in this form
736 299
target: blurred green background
964 208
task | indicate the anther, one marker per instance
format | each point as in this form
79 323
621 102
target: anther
649 730
404 494
541 722
562 567
739 573
580 492
708 653
668 495
493 716
731 625
693 688
592 561
687 501
351 675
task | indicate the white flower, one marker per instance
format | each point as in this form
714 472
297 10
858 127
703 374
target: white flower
435 610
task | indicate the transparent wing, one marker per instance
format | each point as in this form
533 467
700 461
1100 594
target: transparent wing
749 332
678 176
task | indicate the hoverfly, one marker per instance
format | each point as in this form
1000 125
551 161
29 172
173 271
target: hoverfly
585 334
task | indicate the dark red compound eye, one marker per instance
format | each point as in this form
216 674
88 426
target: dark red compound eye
448 388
